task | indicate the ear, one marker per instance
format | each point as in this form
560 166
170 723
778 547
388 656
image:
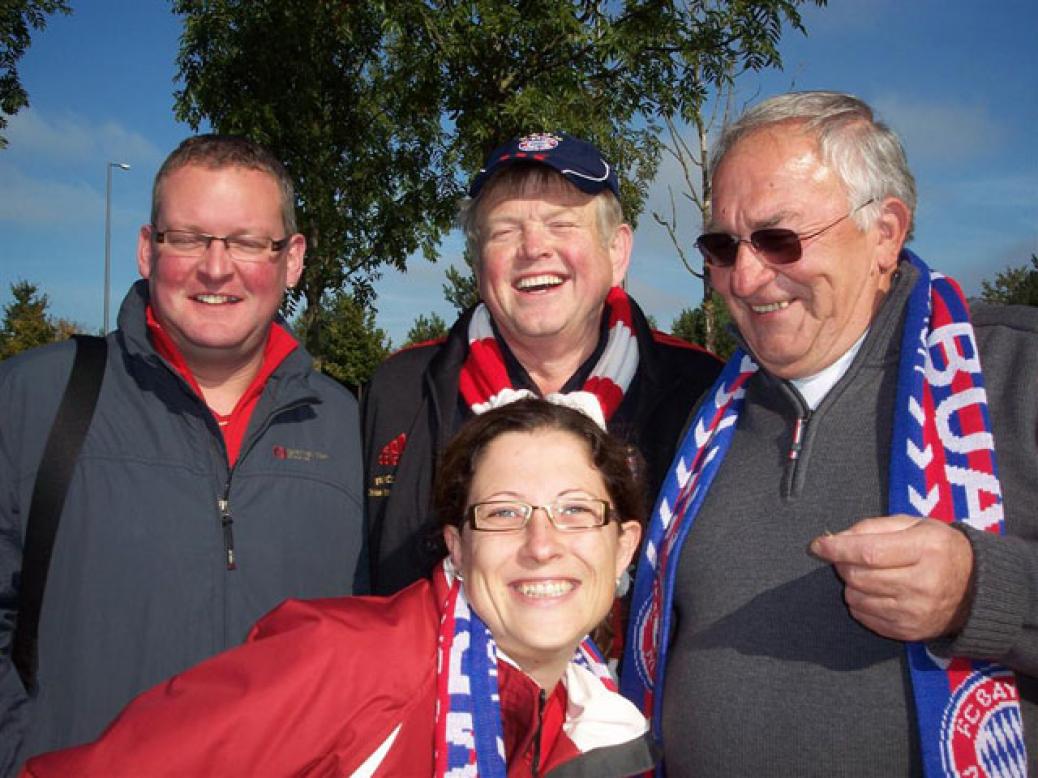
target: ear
452 537
296 251
145 251
627 544
891 230
620 246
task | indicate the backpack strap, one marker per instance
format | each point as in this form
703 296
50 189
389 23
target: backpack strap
48 496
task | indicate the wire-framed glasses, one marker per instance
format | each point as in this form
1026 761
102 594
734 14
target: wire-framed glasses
775 245
567 514
240 248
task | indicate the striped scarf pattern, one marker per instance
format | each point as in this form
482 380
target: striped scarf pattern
484 382
942 465
469 737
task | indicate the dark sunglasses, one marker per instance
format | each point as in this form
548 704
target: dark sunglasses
775 245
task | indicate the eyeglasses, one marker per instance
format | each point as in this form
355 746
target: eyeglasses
774 245
241 248
568 514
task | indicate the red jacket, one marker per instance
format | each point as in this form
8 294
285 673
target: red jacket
328 687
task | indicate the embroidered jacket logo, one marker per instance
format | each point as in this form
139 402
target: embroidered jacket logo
390 454
299 454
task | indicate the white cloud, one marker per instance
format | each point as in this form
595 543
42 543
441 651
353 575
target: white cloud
1011 190
34 201
71 138
942 131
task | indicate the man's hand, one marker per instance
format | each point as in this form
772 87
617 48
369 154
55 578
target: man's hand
905 578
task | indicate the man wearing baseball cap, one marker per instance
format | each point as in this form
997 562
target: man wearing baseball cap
543 219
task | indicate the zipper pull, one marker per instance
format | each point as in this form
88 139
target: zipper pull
228 533
798 438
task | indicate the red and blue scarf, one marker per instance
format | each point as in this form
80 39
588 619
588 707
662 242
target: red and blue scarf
942 465
469 736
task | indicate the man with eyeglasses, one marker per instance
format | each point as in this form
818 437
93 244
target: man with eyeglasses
544 221
220 473
838 579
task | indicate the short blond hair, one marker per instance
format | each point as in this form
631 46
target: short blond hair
524 180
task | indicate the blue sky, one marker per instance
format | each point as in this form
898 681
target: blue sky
957 80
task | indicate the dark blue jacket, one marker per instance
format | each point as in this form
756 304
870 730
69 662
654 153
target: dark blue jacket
139 587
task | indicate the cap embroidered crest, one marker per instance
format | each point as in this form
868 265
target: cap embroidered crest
578 161
539 141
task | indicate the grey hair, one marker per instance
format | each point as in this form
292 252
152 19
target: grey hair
863 151
524 179
222 151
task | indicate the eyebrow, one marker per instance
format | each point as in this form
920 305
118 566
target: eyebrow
760 224
509 495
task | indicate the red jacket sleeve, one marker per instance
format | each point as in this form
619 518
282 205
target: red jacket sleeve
315 689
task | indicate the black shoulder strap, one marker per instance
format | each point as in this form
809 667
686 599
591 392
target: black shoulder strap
48 496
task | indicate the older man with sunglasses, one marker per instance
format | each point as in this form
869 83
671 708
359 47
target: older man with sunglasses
219 475
839 579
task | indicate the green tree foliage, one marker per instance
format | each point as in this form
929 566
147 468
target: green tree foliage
382 110
17 20
310 80
26 323
354 345
691 325
1013 286
462 288
426 328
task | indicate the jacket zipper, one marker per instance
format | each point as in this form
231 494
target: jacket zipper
223 504
226 522
542 699
797 443
795 451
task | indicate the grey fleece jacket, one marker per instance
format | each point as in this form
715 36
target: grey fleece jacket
139 587
768 672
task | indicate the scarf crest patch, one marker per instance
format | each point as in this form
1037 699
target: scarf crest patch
942 465
469 737
484 383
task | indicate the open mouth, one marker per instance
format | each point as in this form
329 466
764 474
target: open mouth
770 307
541 283
544 589
215 299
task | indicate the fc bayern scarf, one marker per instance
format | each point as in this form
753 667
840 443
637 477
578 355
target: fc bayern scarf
942 465
469 737
484 381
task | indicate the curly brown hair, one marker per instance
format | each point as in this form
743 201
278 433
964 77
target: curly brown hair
619 464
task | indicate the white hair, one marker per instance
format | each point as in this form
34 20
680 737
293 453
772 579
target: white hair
863 151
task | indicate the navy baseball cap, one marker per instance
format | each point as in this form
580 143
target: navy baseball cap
580 162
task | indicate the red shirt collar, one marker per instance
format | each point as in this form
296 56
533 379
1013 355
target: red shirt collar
279 345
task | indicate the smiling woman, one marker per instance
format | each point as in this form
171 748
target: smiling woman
487 665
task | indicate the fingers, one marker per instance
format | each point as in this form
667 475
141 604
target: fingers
878 542
881 524
904 578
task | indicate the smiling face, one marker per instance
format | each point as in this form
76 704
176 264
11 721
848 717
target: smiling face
802 317
540 591
544 269
218 311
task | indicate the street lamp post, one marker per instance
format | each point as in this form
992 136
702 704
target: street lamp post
108 230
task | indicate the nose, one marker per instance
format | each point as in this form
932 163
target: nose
216 261
749 273
535 241
541 541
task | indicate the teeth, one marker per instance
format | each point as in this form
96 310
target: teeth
538 281
545 588
215 299
770 307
